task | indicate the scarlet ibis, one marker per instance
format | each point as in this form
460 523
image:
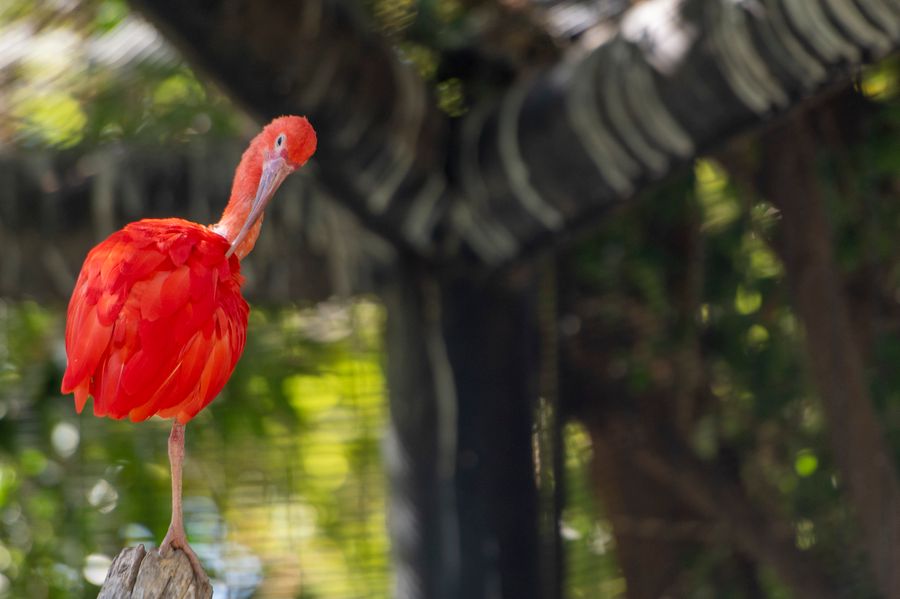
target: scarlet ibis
157 321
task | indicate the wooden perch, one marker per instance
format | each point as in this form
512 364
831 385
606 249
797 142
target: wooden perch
138 574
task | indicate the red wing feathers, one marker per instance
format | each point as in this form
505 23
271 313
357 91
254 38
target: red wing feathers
89 340
153 325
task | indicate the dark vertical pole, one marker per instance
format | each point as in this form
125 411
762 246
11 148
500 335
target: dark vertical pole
492 344
550 451
420 443
462 371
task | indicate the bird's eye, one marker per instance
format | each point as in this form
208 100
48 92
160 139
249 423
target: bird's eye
279 141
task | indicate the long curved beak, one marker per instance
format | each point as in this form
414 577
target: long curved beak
274 171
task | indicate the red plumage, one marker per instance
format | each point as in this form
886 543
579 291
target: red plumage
156 322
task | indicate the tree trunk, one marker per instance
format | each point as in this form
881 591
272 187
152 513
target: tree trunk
867 470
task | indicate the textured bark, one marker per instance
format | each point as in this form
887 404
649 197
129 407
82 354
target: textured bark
137 574
675 78
857 441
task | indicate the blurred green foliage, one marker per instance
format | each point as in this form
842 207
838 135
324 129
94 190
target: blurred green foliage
688 293
89 72
591 566
284 490
710 310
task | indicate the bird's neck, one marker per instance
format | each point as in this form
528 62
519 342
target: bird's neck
243 190
231 223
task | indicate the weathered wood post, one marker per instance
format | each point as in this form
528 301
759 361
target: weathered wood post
139 574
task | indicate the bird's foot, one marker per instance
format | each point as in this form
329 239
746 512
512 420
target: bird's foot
176 539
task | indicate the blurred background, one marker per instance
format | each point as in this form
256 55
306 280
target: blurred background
457 396
284 488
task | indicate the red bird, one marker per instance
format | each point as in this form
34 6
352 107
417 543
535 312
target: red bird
157 322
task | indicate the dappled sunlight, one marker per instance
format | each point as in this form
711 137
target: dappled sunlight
591 561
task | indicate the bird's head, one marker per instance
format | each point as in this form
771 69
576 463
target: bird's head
290 139
282 147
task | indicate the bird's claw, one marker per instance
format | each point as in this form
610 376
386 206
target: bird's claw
177 540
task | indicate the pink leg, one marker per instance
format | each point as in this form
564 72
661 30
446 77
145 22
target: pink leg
175 537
